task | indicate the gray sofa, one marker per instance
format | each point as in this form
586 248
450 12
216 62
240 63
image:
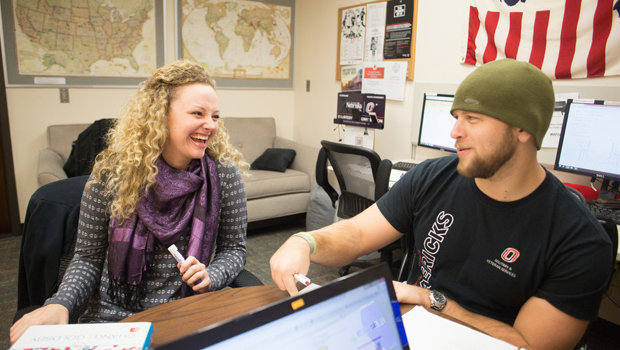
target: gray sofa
270 194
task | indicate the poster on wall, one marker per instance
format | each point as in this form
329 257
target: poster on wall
375 31
398 29
351 78
386 78
353 29
357 109
82 43
242 44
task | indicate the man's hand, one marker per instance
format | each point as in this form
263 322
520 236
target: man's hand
49 314
292 257
408 294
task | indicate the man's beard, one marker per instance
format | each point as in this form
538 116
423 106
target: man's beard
486 168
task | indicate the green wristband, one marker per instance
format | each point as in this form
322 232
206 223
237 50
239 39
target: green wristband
308 237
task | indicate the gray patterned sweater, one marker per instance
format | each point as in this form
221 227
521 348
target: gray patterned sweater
86 278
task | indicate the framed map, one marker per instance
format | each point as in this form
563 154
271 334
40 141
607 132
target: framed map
65 43
242 44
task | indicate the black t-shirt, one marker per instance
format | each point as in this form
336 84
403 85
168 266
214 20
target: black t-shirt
490 256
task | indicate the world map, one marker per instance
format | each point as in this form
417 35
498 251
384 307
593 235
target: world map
102 38
238 39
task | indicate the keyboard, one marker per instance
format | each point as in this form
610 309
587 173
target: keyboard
604 213
404 166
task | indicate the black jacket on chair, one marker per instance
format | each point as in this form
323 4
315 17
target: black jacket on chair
49 232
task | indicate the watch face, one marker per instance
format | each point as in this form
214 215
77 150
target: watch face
438 300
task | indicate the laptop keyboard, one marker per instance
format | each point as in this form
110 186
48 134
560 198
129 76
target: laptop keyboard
404 166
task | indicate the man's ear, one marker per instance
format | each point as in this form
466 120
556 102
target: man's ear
524 136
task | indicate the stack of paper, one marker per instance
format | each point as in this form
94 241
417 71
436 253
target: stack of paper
428 331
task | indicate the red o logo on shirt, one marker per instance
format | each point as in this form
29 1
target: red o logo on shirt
510 255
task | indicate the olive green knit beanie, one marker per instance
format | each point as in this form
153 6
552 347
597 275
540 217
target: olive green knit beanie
514 92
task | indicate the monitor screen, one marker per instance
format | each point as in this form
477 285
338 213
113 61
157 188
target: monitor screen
589 143
437 122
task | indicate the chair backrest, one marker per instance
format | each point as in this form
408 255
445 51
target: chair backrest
577 194
362 176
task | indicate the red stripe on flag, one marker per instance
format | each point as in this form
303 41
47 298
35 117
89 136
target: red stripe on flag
490 25
474 26
600 34
568 39
539 38
514 34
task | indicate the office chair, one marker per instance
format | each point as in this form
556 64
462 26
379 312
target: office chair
48 245
612 231
362 177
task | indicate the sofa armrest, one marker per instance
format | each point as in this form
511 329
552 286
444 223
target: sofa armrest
50 167
305 158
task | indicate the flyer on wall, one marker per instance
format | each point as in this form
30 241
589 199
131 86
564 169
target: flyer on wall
352 35
375 31
386 78
357 109
398 28
351 78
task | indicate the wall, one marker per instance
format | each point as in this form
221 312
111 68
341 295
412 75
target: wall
305 116
31 110
439 39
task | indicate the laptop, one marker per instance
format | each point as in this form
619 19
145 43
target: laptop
358 311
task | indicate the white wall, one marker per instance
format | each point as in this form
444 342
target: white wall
31 110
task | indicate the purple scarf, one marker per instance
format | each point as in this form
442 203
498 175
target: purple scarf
178 198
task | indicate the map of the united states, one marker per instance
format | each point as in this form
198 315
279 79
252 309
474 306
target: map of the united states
85 37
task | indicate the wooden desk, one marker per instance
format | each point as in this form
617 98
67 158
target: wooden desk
185 316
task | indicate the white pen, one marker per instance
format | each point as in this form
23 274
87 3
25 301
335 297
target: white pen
179 257
303 279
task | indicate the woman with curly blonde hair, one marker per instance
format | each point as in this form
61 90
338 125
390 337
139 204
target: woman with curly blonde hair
168 176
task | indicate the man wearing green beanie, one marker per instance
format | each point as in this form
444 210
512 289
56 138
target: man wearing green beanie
499 242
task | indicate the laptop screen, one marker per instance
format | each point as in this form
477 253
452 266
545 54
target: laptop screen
358 311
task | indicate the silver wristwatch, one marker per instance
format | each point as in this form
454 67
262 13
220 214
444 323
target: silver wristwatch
438 300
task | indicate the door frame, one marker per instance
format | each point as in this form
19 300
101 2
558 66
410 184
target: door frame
7 157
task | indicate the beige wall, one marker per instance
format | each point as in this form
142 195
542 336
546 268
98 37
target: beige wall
31 110
439 40
305 116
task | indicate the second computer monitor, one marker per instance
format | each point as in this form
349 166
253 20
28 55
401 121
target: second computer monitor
437 122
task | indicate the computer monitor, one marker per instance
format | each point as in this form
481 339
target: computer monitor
589 144
437 122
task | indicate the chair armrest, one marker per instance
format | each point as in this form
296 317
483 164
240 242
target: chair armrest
50 167
305 158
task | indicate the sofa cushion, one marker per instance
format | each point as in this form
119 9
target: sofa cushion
274 159
251 136
262 183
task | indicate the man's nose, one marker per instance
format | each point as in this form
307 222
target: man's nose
457 130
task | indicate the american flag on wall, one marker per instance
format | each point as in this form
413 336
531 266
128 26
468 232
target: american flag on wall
564 38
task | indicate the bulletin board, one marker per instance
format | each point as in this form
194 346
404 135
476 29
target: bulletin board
411 58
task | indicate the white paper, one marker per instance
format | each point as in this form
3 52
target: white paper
552 137
375 32
385 78
359 136
428 331
352 35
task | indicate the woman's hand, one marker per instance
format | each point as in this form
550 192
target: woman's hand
195 275
49 314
